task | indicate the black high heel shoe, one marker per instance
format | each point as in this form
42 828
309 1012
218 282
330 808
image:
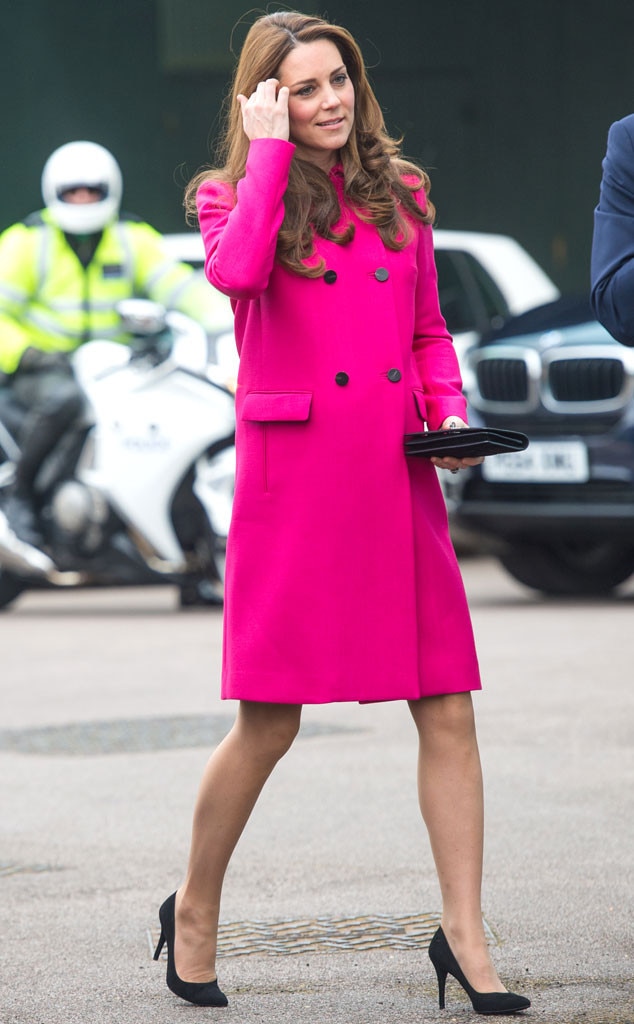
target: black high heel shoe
483 1002
205 993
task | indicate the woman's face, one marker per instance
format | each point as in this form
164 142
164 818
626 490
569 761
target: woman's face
321 101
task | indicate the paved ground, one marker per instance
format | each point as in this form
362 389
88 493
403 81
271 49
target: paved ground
109 704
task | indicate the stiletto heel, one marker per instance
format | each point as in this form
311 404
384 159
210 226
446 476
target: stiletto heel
160 944
441 974
204 993
483 1002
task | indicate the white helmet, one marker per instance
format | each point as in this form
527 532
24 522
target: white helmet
75 165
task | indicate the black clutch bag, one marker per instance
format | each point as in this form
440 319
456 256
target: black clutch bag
465 442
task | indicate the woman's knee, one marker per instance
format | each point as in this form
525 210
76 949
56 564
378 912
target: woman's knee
269 729
448 715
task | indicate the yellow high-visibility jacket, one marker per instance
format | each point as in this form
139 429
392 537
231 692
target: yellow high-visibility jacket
50 301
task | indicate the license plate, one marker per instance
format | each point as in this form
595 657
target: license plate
542 462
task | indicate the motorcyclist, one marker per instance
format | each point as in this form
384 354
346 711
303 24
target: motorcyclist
63 271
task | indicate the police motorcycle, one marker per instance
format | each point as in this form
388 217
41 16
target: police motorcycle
140 492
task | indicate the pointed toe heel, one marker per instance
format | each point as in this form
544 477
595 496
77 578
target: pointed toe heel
205 993
483 1002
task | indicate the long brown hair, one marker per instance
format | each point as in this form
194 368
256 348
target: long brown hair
373 167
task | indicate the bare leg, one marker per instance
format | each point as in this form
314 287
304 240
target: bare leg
231 784
451 802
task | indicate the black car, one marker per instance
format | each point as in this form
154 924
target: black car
560 516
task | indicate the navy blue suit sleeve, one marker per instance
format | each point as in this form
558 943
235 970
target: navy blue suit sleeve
612 265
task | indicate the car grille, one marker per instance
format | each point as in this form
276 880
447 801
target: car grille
592 492
542 423
503 380
586 380
563 381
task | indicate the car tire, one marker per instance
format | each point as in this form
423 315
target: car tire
10 588
571 569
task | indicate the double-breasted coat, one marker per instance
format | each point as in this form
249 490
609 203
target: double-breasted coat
341 580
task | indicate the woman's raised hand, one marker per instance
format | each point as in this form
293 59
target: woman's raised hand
265 112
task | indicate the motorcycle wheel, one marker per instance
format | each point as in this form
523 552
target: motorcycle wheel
581 568
195 534
203 593
10 588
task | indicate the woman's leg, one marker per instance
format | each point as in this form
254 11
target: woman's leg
451 802
231 784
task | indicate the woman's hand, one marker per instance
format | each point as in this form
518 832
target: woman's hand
265 112
450 463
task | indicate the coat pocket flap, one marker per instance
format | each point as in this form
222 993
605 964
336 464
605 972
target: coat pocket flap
421 404
276 406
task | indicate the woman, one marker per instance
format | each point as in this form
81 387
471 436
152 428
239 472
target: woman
341 582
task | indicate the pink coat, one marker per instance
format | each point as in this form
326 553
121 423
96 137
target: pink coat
341 580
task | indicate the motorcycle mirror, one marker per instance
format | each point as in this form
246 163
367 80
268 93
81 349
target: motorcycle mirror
142 317
189 348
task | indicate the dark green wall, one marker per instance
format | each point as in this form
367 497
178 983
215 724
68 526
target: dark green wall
507 104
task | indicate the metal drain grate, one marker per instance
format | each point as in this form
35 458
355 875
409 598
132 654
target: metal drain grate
584 994
324 935
11 868
135 735
585 1017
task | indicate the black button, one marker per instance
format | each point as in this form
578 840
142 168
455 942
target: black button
330 276
381 273
341 378
394 375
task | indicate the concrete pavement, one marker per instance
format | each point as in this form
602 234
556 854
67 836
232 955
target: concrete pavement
109 704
